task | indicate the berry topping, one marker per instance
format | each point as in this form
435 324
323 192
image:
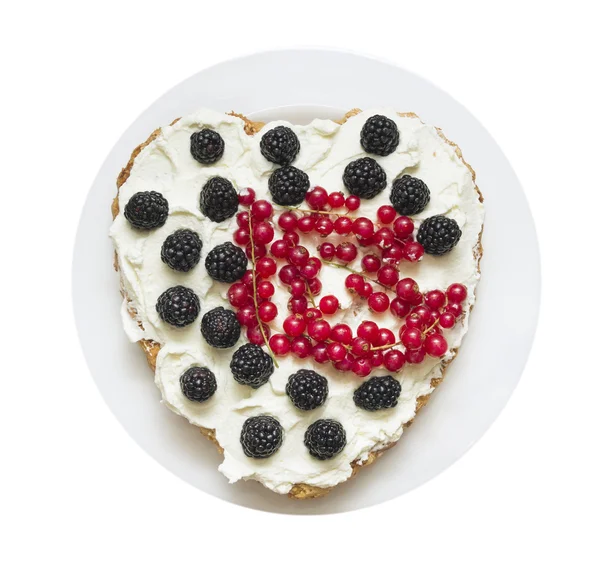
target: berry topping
280 145
280 345
251 366
181 250
261 209
409 195
220 328
288 186
261 436
146 210
218 199
438 234
381 392
206 146
379 135
307 390
317 198
178 306
325 439
247 196
456 293
435 345
226 263
365 178
198 383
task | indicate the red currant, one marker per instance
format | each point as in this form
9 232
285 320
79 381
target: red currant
298 305
365 290
319 353
243 219
255 336
263 233
294 325
341 333
363 227
383 238
246 196
447 320
457 293
414 321
407 289
454 308
265 289
261 210
375 358
412 338
403 227
279 249
266 267
238 294
267 311
324 226
345 365
399 308
435 345
385 337
435 299
298 287
241 236
393 254
336 351
378 302
319 330
309 271
388 275
415 356
315 262
336 200
288 221
315 286
248 279
343 225
346 252
317 198
354 282
352 202
301 347
327 251
365 242
280 344
298 255
329 305
312 314
413 252
255 252
246 315
306 224
291 238
288 273
361 367
424 313
368 330
371 263
394 360
386 214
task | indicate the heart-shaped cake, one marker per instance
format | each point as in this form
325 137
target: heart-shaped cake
299 290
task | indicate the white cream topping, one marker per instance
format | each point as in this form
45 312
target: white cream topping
166 166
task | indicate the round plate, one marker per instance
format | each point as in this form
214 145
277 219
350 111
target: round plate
308 84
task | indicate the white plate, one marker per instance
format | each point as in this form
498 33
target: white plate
298 85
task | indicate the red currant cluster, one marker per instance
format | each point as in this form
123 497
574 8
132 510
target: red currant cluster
307 332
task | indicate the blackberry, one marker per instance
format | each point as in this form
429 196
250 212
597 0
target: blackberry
251 366
379 135
181 250
409 195
178 306
307 389
198 383
365 178
220 328
261 436
280 145
325 439
288 186
438 234
206 146
218 199
226 262
147 210
381 392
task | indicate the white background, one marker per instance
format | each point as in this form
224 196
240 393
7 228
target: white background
75 486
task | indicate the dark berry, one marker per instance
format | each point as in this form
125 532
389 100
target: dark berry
206 146
147 210
364 178
251 366
198 383
218 199
280 145
381 392
325 438
288 186
178 306
438 234
181 250
379 135
307 389
261 436
409 195
220 328
226 262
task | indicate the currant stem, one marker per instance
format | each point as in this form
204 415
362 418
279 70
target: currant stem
310 295
260 323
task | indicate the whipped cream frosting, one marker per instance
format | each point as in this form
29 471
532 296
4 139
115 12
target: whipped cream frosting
166 166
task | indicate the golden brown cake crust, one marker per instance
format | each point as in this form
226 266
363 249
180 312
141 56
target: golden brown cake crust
151 348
